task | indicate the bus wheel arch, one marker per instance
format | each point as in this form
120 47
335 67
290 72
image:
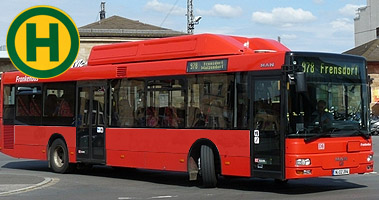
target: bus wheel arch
57 154
194 155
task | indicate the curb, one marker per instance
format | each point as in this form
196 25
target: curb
45 183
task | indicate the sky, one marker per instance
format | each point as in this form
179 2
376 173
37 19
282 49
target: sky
302 25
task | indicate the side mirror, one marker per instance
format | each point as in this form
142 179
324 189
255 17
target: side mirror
301 84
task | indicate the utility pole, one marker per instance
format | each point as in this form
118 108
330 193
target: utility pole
102 10
191 19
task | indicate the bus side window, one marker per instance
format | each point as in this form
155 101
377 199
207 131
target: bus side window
35 106
51 105
128 103
152 119
166 103
65 108
210 101
59 103
28 105
9 104
22 108
242 102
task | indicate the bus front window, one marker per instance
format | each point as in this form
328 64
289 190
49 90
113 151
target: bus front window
330 107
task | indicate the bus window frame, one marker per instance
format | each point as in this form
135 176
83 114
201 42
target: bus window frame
59 120
9 120
28 120
182 79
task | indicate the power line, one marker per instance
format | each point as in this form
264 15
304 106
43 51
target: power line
172 8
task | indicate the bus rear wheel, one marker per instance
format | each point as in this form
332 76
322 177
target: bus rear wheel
59 156
207 167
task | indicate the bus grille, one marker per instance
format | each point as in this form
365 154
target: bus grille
8 137
121 71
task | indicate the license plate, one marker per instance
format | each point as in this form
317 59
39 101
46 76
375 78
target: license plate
339 172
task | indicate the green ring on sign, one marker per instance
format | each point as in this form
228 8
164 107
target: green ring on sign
49 11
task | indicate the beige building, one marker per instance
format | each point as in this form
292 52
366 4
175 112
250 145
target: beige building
370 51
366 23
117 29
5 63
366 32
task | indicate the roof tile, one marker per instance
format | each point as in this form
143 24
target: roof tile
117 26
369 50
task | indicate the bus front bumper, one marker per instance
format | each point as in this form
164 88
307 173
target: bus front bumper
307 166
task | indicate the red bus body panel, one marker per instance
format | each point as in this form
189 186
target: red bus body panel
32 141
167 149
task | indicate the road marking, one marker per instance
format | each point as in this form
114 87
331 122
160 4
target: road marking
163 197
46 183
371 173
155 197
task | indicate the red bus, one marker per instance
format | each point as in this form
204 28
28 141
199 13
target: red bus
208 105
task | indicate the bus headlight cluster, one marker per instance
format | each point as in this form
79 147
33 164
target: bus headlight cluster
303 162
370 158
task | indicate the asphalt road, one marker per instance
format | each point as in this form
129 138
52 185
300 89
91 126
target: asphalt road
31 180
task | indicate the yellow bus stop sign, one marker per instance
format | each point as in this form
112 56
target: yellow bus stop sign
43 42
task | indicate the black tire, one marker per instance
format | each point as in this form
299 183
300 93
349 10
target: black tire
59 161
281 181
207 167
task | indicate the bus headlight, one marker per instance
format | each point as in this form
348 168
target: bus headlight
370 158
303 162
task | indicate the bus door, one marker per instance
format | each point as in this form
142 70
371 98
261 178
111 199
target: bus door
266 136
91 122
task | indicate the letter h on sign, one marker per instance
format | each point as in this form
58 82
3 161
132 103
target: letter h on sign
32 42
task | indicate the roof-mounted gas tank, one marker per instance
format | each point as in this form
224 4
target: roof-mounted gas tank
181 47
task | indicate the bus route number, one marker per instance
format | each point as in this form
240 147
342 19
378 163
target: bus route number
308 67
194 66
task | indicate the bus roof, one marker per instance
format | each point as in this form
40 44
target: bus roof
133 59
190 46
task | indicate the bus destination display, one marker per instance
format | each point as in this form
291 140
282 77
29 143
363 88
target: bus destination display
322 68
207 65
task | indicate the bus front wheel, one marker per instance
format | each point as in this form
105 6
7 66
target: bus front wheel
59 156
207 167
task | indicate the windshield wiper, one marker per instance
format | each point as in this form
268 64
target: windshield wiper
321 134
362 133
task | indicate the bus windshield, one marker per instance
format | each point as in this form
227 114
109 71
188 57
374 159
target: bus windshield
335 104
